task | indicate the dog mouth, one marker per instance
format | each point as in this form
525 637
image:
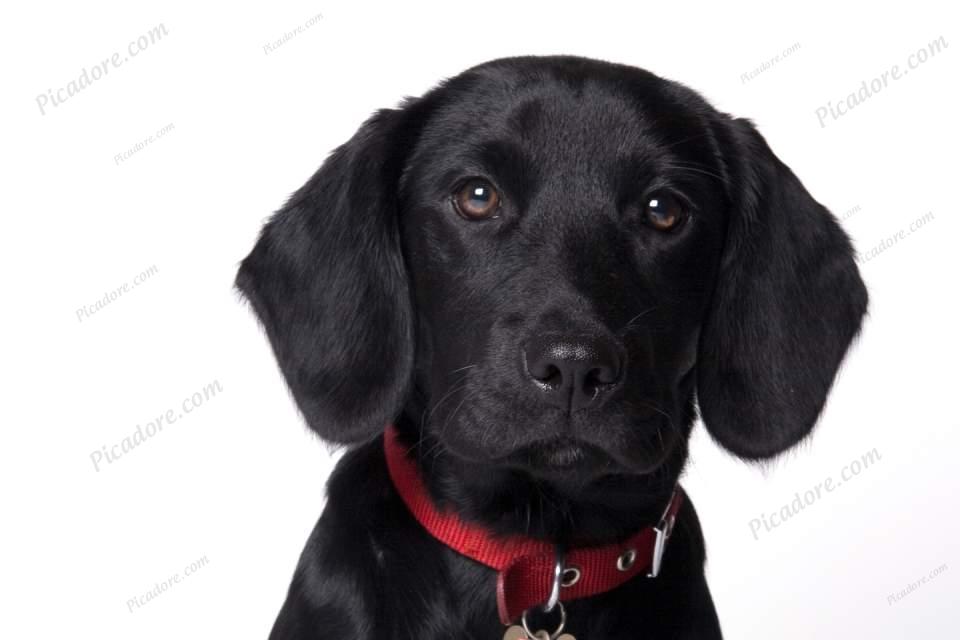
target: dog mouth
572 454
563 454
560 452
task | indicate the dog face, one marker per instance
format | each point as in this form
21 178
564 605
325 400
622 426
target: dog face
562 249
549 258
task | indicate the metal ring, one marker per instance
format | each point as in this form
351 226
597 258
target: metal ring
570 576
626 560
557 632
554 598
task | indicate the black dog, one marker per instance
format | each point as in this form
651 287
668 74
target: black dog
539 271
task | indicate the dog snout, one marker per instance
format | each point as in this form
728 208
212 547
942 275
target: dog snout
573 372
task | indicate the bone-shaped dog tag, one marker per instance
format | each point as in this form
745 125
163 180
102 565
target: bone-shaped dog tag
515 632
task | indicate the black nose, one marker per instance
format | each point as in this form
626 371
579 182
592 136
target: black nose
573 371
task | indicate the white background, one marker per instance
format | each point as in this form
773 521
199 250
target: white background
240 481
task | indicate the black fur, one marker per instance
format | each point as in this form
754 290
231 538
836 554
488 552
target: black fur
382 304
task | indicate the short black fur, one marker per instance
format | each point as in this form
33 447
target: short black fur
383 304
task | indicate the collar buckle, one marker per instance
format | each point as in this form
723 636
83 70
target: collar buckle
662 533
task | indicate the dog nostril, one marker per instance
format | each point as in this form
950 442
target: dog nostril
547 374
600 377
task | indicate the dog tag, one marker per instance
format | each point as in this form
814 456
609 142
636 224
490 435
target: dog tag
515 632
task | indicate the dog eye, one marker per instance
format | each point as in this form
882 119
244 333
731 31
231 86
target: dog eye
477 200
664 211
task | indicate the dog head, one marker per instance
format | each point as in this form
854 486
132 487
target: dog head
551 260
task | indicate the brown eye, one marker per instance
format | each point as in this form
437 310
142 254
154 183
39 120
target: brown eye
664 211
477 199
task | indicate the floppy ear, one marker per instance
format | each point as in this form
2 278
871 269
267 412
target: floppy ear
328 283
787 304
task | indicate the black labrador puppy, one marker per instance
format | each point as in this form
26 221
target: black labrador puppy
534 278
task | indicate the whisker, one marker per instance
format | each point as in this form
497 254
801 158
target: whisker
429 412
450 417
693 169
655 408
469 366
635 318
685 140
663 447
462 384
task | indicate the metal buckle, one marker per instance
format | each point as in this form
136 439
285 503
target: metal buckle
558 569
663 530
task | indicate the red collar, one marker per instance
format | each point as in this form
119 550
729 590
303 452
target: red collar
526 566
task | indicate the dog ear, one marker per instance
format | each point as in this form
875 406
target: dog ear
327 280
787 304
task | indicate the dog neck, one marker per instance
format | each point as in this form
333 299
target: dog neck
514 502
